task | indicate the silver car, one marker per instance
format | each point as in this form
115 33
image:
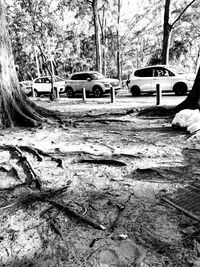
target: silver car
94 83
170 79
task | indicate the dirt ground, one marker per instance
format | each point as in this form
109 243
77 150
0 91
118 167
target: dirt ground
111 167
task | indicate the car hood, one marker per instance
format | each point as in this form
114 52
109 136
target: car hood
113 82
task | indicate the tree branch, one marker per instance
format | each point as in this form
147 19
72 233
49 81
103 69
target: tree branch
184 10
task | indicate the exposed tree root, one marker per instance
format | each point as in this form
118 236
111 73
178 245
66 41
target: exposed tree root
104 161
104 121
57 160
157 111
31 175
31 150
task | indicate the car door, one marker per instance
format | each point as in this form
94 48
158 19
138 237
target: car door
143 79
162 77
87 82
77 82
46 84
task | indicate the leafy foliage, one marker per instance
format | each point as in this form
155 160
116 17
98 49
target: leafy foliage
64 30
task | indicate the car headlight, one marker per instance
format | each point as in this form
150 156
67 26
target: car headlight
106 85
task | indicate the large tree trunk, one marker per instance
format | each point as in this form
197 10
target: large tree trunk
15 107
193 98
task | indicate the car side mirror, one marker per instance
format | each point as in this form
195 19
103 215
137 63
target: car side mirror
89 79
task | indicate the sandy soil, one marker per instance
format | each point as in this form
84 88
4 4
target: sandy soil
114 168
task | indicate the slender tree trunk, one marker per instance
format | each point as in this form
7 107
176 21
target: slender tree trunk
166 33
104 53
118 41
15 107
97 36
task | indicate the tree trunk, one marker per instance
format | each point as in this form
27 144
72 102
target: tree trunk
192 101
15 107
166 33
97 36
118 41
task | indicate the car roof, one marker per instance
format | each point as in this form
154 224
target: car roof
85 72
47 77
153 66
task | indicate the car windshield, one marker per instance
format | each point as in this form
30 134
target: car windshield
97 76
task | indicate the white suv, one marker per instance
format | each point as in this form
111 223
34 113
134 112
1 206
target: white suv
144 80
93 82
42 85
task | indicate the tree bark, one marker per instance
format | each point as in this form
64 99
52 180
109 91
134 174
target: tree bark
118 41
15 107
192 101
97 36
166 33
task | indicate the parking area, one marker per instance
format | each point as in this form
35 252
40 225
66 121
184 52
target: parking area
123 100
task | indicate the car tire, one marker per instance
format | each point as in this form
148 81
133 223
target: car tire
69 91
180 89
97 92
135 91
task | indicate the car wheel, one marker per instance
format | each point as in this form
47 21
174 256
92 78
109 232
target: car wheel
180 89
97 92
135 91
69 91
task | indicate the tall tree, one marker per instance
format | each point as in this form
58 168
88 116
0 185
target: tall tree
97 35
167 28
118 40
15 107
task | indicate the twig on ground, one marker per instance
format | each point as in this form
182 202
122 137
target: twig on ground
73 213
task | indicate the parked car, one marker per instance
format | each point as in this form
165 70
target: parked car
94 83
42 85
26 87
171 79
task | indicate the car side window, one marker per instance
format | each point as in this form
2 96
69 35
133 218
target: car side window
38 81
161 72
158 72
46 80
144 72
86 76
74 77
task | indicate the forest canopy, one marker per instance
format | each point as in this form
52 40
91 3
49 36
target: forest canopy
130 35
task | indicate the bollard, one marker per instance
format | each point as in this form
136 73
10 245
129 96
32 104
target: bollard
112 94
158 94
83 94
33 92
57 93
